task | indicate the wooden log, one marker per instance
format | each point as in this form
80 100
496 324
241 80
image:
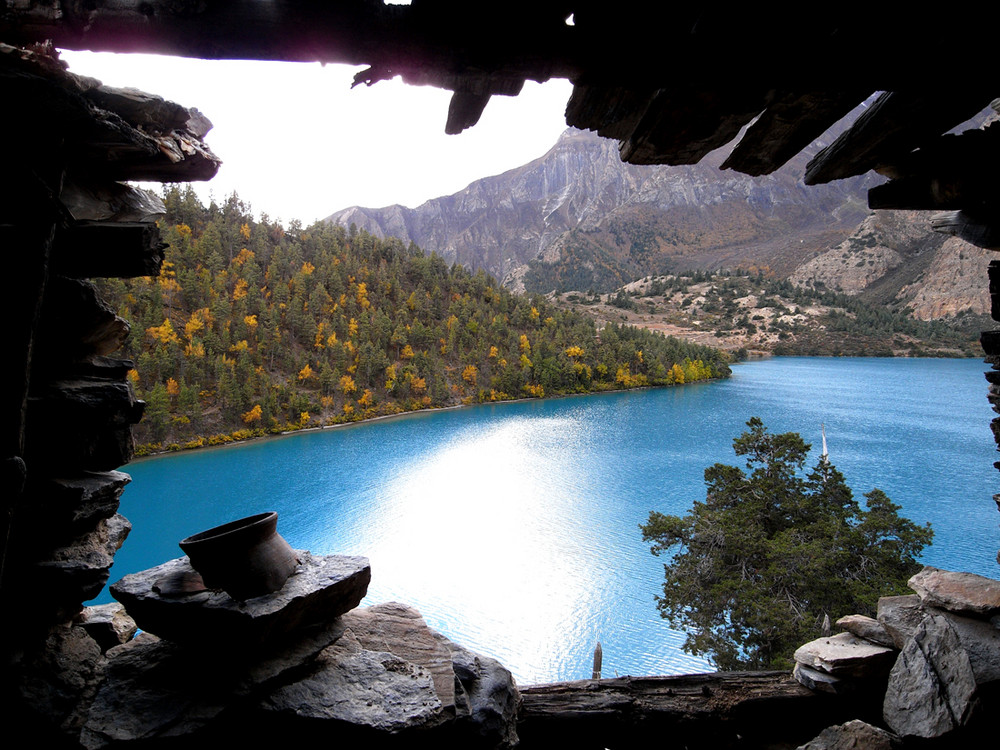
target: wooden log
720 710
894 125
790 123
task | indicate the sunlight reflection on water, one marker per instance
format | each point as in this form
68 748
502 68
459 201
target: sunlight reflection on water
514 528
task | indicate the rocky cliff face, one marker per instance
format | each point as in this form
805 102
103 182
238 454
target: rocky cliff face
893 256
579 207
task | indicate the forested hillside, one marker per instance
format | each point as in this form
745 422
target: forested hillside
253 328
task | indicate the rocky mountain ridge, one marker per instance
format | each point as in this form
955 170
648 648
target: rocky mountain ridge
577 218
555 209
894 257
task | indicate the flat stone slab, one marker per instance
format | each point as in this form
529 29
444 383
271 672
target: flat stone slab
965 593
170 601
845 655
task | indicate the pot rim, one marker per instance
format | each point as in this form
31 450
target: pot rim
230 529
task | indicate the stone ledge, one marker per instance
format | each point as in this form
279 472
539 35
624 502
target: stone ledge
161 601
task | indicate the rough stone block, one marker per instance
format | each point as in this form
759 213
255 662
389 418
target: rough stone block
931 689
900 616
108 624
964 593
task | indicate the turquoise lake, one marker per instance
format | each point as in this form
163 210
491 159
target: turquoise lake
514 528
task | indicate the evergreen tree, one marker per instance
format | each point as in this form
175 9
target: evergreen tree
768 554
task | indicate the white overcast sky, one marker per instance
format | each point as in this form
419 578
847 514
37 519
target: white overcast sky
298 143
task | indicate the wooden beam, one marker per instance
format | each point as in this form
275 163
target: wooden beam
951 172
613 111
893 126
681 126
720 710
976 230
638 42
464 111
790 123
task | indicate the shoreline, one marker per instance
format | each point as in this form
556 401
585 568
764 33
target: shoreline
412 412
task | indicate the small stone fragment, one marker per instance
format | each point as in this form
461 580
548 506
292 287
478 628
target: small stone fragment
108 624
866 628
965 593
853 735
820 682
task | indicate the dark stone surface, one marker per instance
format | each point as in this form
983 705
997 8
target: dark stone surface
81 425
77 572
321 588
69 505
108 624
370 678
931 690
54 679
900 616
854 735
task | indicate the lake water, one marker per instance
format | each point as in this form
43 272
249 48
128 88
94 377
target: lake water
514 528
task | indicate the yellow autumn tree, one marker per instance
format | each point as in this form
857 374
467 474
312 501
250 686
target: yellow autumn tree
469 374
164 334
347 384
253 415
305 373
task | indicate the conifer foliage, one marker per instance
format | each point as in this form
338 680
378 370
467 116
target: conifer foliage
769 553
252 327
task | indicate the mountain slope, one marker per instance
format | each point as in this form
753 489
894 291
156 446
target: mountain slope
894 257
580 217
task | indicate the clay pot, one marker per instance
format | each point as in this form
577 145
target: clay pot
244 558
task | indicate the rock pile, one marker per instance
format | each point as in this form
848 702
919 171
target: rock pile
936 652
301 662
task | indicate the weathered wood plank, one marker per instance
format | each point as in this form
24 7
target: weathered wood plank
790 123
464 111
952 172
613 112
681 126
979 231
893 126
